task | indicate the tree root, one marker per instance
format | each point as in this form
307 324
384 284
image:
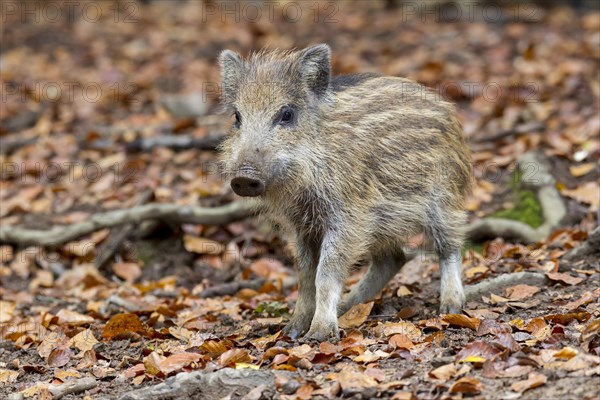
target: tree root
119 235
72 387
537 176
474 292
58 235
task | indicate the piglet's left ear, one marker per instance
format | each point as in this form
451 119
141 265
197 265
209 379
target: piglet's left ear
314 66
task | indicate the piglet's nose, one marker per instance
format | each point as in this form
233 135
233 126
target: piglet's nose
245 186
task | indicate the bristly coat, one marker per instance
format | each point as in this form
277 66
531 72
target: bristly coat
351 167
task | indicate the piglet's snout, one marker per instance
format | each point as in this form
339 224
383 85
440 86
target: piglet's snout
247 183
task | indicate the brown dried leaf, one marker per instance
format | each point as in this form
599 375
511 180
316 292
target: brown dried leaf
476 350
234 356
466 385
123 325
127 271
462 321
60 356
73 318
564 278
566 319
588 193
491 326
534 380
406 328
200 245
8 376
520 292
401 341
177 361
443 373
84 340
262 342
350 379
355 316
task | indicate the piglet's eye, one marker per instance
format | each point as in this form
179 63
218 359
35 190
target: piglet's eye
287 116
238 118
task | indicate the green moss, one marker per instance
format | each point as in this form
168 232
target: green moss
526 209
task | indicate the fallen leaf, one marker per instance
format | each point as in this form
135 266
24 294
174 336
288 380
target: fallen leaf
564 278
520 292
123 325
466 385
355 316
443 373
350 379
64 375
262 342
534 379
73 318
200 245
60 356
234 356
406 328
8 376
588 193
127 271
7 309
84 340
581 169
401 341
177 361
566 319
566 352
369 356
477 351
462 321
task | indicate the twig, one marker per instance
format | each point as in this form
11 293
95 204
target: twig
539 179
175 142
71 387
231 288
119 235
171 212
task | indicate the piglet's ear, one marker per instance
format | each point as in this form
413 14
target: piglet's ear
314 66
231 69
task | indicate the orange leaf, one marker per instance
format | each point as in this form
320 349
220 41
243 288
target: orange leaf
355 316
123 325
462 320
234 356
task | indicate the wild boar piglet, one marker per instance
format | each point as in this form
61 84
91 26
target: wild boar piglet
350 168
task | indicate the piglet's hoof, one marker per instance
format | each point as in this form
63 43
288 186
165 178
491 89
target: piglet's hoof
321 332
297 326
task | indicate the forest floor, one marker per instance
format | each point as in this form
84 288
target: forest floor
106 114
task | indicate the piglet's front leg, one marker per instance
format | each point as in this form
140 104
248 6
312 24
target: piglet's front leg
337 256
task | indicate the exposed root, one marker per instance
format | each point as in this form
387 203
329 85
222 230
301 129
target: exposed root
474 292
169 212
537 176
72 387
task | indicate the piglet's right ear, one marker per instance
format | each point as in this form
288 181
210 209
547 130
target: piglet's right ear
231 69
